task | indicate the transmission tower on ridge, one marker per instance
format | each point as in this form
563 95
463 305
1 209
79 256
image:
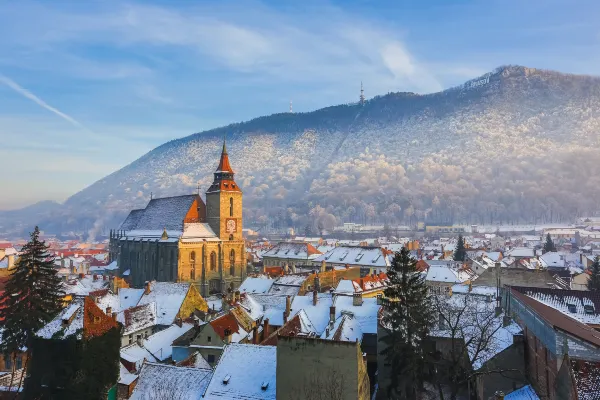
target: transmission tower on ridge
362 94
291 110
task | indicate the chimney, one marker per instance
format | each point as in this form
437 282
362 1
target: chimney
323 266
227 335
140 341
114 316
196 323
115 285
285 317
317 282
470 286
255 335
506 320
147 288
104 277
179 322
108 310
266 327
81 276
499 395
315 297
357 299
237 296
332 314
95 277
288 305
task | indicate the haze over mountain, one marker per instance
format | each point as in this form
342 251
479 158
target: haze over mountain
515 145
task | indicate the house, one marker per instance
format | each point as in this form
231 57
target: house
256 285
288 284
562 353
298 325
210 339
441 278
370 259
580 281
159 381
369 286
245 371
291 254
318 368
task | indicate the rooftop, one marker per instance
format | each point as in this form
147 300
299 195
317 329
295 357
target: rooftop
161 381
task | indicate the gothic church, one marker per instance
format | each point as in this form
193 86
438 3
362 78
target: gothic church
182 239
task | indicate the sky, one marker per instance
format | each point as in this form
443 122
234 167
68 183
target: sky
87 87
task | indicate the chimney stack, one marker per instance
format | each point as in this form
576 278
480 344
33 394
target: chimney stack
315 297
357 299
317 283
108 310
323 266
288 305
114 316
227 334
147 288
255 335
332 314
179 322
95 277
266 327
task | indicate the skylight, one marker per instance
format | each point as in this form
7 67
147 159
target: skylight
572 308
588 309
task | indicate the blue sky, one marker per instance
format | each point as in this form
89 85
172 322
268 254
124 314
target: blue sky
87 87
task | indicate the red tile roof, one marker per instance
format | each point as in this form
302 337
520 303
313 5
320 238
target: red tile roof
224 322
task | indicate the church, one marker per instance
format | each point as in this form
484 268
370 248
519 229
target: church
182 239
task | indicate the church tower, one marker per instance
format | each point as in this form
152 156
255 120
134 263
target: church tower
224 202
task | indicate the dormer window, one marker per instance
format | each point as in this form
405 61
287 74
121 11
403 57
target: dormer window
588 309
572 308
226 379
264 385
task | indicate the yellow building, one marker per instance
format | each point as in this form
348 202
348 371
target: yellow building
182 239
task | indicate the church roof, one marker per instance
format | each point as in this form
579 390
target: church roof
161 213
224 165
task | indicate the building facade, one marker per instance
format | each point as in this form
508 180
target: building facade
184 239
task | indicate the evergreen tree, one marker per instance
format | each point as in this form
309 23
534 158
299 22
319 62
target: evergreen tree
32 296
549 245
408 315
460 253
594 282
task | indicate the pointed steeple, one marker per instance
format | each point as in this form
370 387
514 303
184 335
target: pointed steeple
224 165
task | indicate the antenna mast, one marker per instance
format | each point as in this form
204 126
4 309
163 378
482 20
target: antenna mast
362 94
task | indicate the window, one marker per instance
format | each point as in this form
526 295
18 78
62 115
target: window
230 237
232 262
572 308
209 339
130 339
193 257
7 363
19 362
213 261
231 206
211 359
588 309
193 274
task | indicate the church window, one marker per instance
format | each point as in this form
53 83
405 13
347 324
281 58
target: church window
231 206
232 262
213 261
193 274
230 237
193 257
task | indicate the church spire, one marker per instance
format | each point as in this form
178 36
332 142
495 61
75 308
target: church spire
224 165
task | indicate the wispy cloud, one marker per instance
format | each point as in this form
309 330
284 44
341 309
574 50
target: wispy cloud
27 94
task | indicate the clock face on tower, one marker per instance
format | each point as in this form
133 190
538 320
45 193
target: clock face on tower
231 226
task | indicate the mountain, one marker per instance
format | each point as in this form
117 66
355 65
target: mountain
515 145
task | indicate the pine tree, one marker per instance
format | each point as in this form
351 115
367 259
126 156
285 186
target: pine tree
32 297
408 315
460 253
594 281
549 245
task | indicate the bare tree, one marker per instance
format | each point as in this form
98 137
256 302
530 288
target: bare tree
468 335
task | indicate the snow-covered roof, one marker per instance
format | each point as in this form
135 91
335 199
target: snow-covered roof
256 285
160 343
581 308
552 259
365 314
521 252
367 256
445 274
69 322
83 286
345 286
270 305
168 297
346 329
137 318
125 377
293 250
244 371
129 297
197 231
476 290
319 313
161 381
161 213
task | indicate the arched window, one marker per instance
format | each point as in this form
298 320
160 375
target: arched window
232 262
213 261
193 257
193 274
230 237
231 206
